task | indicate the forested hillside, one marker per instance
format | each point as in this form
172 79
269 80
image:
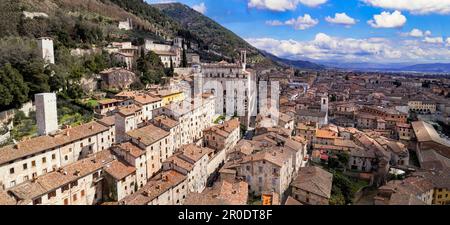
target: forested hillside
93 24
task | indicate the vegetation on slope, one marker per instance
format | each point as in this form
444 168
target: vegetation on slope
210 35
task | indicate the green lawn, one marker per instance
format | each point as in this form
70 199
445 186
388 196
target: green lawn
24 126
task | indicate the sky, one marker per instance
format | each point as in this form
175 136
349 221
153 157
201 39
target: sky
376 31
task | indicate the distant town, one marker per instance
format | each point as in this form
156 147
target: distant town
144 135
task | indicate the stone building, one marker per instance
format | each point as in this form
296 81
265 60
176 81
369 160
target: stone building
410 191
157 144
312 186
170 54
192 161
192 117
31 158
222 193
233 85
117 78
167 188
268 170
224 136
76 184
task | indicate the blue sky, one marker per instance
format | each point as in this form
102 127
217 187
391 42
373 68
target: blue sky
364 30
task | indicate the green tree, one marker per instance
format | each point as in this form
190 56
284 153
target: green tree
98 62
137 85
12 82
6 98
74 91
36 76
10 15
58 78
151 68
184 59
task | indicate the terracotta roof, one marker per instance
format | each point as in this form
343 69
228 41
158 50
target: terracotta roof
246 147
129 110
126 94
148 134
146 99
108 121
119 170
166 121
131 148
6 199
194 152
425 132
402 190
154 188
177 161
439 179
43 143
315 180
320 133
274 155
107 101
292 201
222 193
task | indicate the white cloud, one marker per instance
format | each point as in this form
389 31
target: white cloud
201 8
448 41
313 3
341 18
301 23
417 33
325 47
388 20
283 5
274 23
434 40
414 6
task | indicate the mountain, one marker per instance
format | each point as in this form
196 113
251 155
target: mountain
299 64
364 65
82 23
391 67
214 38
428 68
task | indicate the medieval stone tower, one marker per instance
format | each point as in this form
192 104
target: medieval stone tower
45 45
324 107
46 113
244 59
